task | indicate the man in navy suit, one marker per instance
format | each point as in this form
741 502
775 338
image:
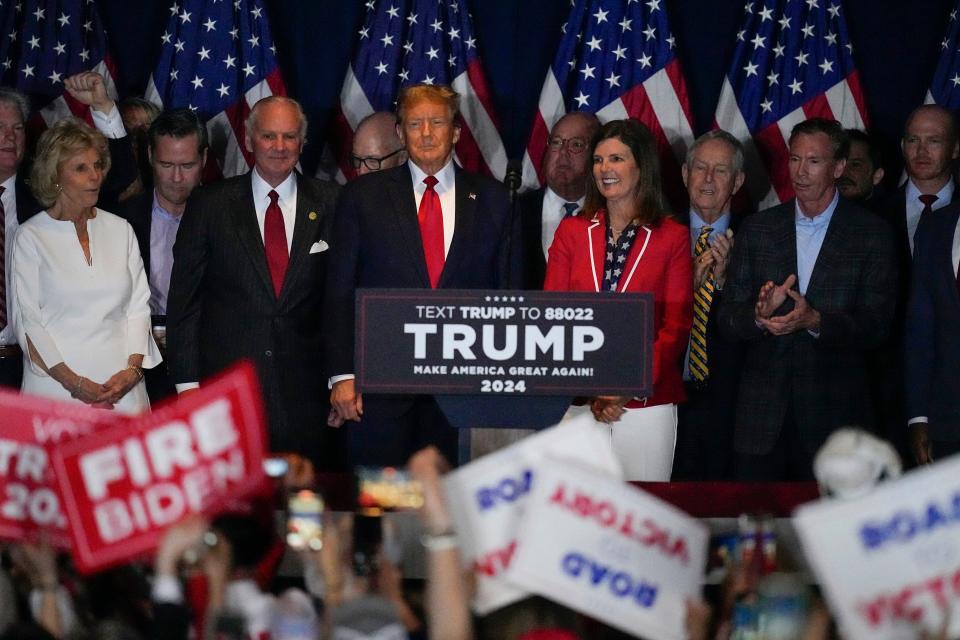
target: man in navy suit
247 281
425 224
566 168
932 339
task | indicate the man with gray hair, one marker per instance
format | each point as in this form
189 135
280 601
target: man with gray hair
712 173
247 280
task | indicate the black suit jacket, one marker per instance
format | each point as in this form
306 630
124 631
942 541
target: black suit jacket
533 264
821 380
222 307
933 329
138 211
376 243
27 205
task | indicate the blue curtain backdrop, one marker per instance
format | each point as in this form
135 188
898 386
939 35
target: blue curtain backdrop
896 46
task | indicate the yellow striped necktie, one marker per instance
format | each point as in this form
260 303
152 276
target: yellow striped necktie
702 299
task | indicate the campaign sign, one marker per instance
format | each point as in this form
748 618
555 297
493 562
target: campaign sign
609 550
487 498
123 485
29 501
504 342
889 562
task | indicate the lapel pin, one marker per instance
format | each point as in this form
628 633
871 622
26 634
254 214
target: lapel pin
312 215
472 196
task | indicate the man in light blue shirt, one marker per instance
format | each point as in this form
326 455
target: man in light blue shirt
810 290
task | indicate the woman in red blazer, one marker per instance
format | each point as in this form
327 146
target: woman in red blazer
624 241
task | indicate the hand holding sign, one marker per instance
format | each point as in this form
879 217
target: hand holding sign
125 483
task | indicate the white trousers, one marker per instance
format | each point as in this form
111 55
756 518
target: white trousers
644 440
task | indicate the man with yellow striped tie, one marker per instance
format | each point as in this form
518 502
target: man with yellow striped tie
713 173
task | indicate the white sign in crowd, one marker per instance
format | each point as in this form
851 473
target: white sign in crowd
551 515
889 562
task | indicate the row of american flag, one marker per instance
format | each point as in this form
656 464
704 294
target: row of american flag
617 58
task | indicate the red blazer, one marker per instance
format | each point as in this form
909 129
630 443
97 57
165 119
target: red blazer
659 262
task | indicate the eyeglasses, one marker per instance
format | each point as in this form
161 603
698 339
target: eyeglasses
372 162
574 145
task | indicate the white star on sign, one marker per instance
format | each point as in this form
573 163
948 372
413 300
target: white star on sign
812 4
453 33
84 55
807 30
405 75
956 80
835 11
831 38
412 19
471 43
654 5
778 50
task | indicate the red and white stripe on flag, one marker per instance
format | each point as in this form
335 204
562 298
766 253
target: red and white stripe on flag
617 59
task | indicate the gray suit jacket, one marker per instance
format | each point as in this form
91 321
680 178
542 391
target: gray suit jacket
822 380
222 307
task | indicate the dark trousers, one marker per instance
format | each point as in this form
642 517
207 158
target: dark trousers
11 372
159 386
705 434
790 460
395 427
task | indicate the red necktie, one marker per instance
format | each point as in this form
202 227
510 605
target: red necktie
3 265
430 217
927 199
275 243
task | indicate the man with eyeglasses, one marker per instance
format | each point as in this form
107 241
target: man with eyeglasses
376 144
566 165
427 224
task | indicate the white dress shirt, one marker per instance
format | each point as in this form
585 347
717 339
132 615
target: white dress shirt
551 213
446 188
287 190
915 207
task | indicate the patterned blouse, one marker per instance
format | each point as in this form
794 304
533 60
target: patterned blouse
613 266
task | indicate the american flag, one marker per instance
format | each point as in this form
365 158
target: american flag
406 42
617 58
793 61
218 59
945 87
43 42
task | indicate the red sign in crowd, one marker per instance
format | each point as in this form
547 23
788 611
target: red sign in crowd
111 493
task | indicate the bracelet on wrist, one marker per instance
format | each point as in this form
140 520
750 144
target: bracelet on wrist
75 392
137 370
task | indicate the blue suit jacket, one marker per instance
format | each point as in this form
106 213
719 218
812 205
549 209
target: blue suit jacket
376 243
933 328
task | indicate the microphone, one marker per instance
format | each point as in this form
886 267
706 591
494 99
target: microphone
514 177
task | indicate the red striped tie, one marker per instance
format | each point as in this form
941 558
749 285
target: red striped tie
430 217
275 242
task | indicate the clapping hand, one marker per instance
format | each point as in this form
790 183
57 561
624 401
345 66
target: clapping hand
771 296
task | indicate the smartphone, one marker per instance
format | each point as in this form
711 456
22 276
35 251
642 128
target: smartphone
382 489
367 540
305 520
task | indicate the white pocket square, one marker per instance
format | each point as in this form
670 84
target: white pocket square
319 246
